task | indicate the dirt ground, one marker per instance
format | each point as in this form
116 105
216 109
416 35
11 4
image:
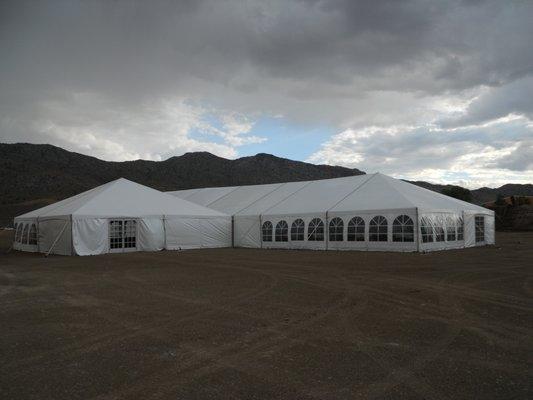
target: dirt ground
276 324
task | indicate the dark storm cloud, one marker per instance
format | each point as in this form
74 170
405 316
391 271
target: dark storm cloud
150 47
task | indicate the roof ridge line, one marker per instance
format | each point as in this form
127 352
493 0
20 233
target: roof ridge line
400 193
106 188
72 199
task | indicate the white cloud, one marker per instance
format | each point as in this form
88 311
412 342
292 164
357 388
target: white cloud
487 155
91 124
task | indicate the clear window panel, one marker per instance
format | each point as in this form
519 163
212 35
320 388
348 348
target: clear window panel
315 230
298 230
403 229
377 229
480 228
336 230
267 231
115 234
130 234
282 232
356 230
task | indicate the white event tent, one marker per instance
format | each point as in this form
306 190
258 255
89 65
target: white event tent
121 216
364 212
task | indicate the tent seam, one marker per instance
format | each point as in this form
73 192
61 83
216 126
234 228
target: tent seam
352 192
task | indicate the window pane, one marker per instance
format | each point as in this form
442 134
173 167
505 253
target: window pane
315 230
403 229
297 230
282 232
267 231
480 228
336 230
378 229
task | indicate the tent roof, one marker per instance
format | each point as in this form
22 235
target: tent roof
122 198
353 193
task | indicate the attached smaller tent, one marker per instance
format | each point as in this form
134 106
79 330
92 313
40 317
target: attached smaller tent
121 216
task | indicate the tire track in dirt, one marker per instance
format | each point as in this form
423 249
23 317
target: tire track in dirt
105 340
406 374
9 287
204 362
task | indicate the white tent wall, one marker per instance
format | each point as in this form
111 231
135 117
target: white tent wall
55 235
150 234
90 236
327 244
490 228
470 228
437 226
440 230
192 233
247 231
367 245
305 244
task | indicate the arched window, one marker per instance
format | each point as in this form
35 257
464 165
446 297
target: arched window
24 239
315 230
298 230
282 232
267 231
403 229
426 230
18 232
356 230
377 229
336 230
33 235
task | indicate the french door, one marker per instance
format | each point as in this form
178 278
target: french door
122 235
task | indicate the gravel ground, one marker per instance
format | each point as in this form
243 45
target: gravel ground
255 324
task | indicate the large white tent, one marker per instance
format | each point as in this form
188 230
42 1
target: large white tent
121 216
365 212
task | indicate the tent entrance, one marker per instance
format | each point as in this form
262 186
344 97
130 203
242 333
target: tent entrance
122 235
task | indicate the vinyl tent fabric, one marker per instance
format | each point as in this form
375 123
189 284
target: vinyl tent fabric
80 224
364 196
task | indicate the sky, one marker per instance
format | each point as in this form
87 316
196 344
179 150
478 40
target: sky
440 91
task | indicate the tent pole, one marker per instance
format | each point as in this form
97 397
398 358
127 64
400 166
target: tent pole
326 231
233 231
417 232
57 238
37 231
71 237
261 228
165 231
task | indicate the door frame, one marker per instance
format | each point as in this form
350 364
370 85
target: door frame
123 249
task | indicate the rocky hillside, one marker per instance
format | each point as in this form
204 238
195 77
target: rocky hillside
39 174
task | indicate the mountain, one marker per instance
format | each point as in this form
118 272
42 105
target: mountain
33 175
485 194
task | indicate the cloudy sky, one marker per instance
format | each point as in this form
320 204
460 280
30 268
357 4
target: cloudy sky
439 91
